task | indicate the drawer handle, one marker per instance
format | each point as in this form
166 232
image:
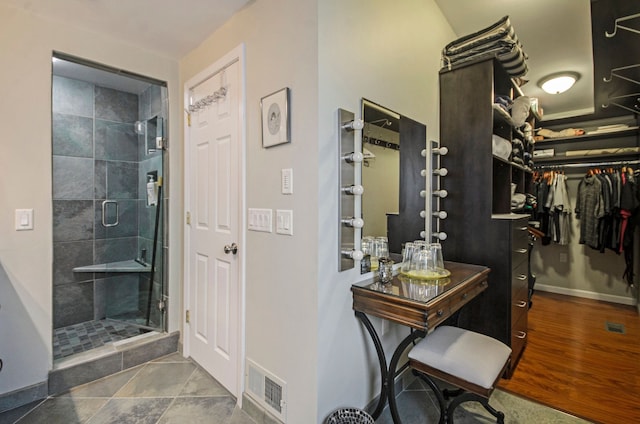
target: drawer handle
521 277
440 312
520 250
521 334
522 228
465 295
521 304
483 283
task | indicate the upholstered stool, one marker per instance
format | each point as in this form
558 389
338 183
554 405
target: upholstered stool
470 361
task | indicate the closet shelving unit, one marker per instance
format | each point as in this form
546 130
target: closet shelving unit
481 228
602 146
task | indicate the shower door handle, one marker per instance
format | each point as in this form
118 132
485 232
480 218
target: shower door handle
104 213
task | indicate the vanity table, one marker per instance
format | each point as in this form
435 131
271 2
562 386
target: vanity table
418 304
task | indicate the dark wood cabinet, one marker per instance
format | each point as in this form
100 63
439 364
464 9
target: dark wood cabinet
480 226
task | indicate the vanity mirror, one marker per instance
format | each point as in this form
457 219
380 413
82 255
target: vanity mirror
392 176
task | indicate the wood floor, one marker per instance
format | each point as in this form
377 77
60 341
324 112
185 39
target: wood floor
574 364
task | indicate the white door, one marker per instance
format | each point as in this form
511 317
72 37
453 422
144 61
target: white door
213 235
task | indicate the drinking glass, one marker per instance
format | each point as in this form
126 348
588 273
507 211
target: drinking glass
438 261
382 247
407 254
367 244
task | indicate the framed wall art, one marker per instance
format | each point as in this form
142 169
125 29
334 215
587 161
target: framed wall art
275 118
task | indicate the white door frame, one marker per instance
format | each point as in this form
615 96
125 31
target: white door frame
235 55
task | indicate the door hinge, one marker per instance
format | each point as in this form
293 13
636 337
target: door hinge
188 119
188 218
187 317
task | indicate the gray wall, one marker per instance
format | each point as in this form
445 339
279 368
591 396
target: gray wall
26 172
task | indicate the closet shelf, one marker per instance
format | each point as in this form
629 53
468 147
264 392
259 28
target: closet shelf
595 136
511 164
573 158
502 117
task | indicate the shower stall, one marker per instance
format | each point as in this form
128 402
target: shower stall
109 205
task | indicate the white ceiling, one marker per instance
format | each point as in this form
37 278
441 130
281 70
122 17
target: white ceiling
171 28
556 34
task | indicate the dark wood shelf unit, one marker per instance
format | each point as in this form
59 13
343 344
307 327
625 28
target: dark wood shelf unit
480 227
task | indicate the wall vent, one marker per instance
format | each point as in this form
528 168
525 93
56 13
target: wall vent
267 390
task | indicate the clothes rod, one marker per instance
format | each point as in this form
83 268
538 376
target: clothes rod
588 164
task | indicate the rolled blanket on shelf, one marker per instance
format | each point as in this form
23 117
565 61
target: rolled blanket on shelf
498 39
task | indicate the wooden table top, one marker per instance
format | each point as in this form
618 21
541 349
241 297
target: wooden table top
421 304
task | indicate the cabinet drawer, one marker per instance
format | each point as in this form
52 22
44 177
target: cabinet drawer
519 278
518 337
462 298
519 230
519 305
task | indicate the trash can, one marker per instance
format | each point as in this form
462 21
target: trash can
349 416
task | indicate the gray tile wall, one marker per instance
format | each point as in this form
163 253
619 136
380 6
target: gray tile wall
96 156
72 146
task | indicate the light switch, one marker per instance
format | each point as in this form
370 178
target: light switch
260 220
284 221
24 219
287 181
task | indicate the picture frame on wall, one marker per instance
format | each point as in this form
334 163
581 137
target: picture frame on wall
275 118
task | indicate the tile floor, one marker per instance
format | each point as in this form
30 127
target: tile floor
167 390
173 389
89 335
415 403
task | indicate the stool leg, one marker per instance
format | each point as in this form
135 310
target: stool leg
436 391
452 393
468 397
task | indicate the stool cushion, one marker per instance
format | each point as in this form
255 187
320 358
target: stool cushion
469 356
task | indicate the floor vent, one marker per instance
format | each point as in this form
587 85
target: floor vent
615 327
266 389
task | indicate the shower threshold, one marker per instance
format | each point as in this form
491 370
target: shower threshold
122 266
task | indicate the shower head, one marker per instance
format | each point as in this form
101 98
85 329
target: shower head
140 127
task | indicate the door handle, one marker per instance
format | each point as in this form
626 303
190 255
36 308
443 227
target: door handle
233 248
104 213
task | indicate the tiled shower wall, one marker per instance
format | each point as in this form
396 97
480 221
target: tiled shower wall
97 156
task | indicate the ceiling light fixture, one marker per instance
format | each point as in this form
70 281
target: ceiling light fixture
558 83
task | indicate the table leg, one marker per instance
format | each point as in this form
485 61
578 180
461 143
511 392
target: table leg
391 374
382 361
387 375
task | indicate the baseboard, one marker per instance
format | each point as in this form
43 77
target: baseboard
586 294
257 412
23 396
402 381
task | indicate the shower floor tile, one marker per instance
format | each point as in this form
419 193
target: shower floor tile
89 335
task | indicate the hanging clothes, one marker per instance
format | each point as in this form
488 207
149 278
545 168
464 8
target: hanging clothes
589 210
607 205
561 209
554 207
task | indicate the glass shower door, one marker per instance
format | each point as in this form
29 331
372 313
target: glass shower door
134 285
